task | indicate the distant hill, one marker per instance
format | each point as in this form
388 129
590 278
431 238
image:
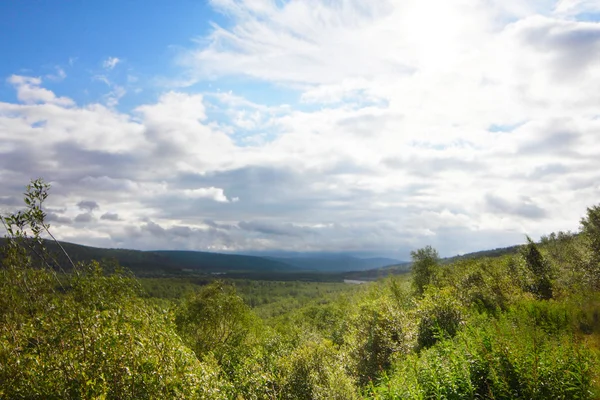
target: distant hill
176 262
499 252
335 262
218 262
169 262
404 267
376 273
300 266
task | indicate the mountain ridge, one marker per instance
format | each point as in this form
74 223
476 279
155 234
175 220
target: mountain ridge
177 262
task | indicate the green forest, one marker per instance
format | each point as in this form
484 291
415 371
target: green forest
522 325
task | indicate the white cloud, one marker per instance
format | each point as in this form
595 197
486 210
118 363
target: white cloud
112 98
212 193
115 95
574 7
58 76
30 92
111 62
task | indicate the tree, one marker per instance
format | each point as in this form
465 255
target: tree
425 264
590 230
215 320
540 270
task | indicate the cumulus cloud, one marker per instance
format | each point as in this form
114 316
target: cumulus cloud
84 218
110 217
212 193
464 128
574 7
110 63
88 205
57 218
524 206
29 91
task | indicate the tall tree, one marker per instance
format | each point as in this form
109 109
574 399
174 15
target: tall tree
590 229
540 270
425 263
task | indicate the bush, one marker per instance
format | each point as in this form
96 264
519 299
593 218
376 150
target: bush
482 285
94 339
381 330
216 320
500 361
590 229
540 271
315 371
425 266
440 315
85 334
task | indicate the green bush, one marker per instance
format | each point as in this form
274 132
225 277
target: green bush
483 285
94 339
500 361
590 229
216 320
380 331
540 271
425 266
85 334
440 316
315 371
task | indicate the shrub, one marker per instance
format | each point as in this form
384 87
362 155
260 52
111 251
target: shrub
425 265
500 361
216 320
440 315
380 331
540 271
94 339
313 371
590 229
85 334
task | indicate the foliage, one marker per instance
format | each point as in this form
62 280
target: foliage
83 335
425 264
540 271
513 358
215 320
440 316
380 331
590 229
316 371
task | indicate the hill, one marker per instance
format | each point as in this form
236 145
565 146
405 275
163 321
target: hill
404 267
300 266
334 262
498 252
170 262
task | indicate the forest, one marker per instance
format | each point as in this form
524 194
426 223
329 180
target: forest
523 324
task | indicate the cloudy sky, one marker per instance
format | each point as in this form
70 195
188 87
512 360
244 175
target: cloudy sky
374 127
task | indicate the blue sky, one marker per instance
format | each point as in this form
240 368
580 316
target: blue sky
146 36
303 125
78 36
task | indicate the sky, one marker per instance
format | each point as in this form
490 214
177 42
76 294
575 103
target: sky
369 128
